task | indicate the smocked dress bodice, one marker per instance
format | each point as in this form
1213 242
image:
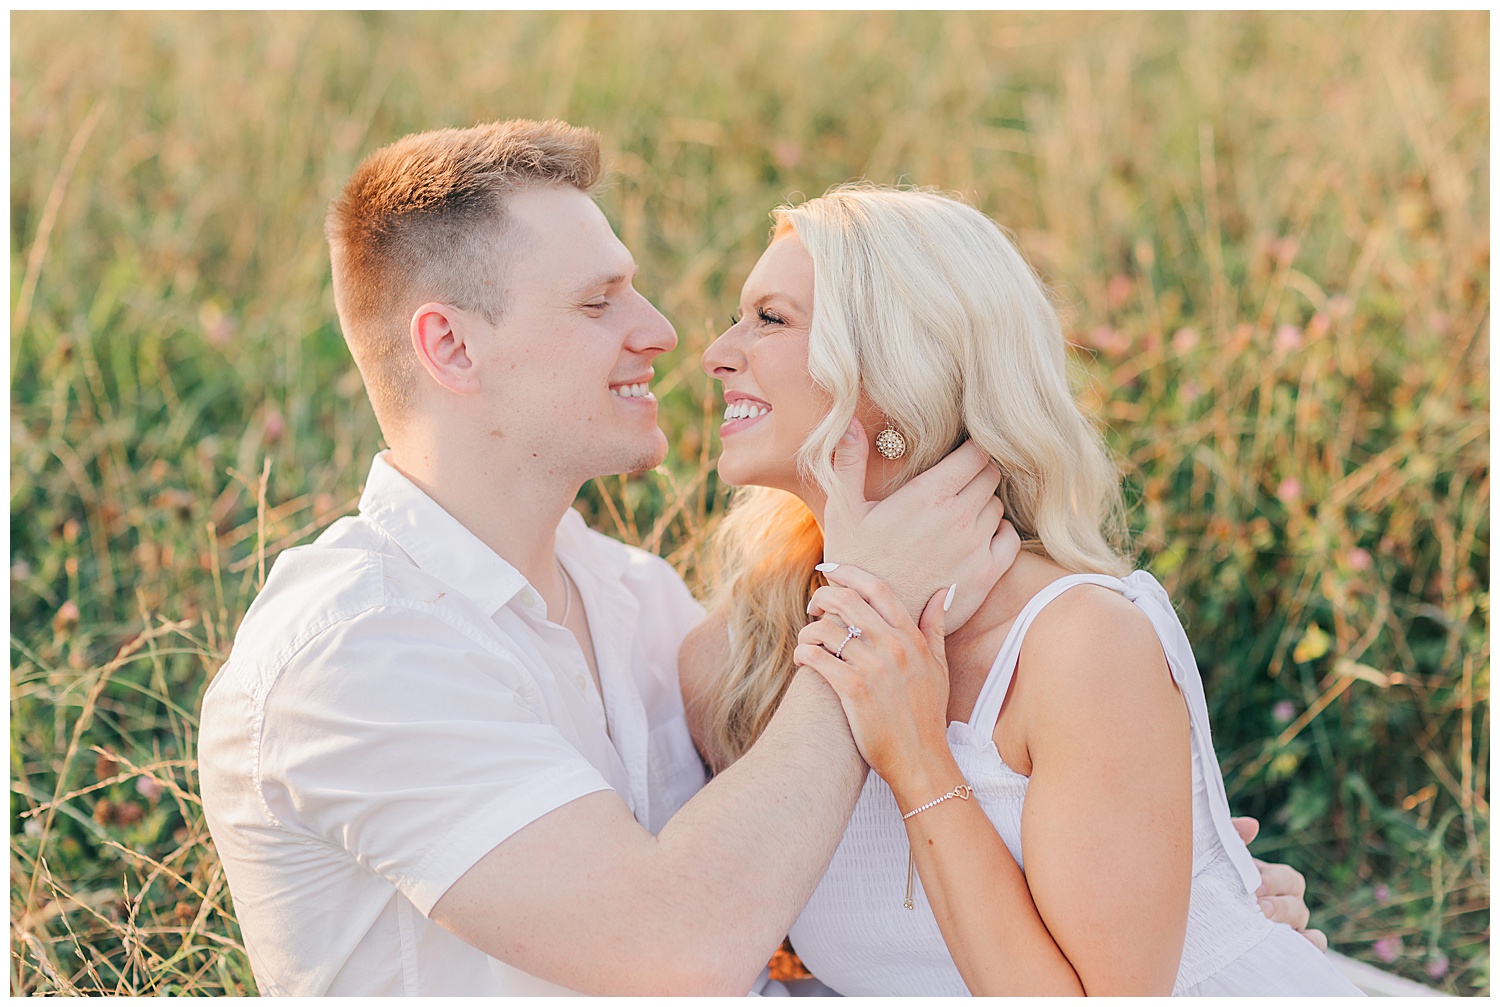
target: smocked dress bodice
856 936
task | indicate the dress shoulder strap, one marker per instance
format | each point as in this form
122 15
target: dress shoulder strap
1142 590
1150 597
992 694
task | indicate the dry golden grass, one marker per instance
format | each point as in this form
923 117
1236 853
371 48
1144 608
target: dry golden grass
1269 233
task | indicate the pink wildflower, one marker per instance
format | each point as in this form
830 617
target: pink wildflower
218 327
66 618
1184 340
786 154
1110 341
1290 491
1388 949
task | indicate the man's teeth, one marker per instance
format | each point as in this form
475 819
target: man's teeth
743 410
639 391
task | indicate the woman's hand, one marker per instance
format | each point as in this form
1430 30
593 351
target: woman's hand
892 678
946 525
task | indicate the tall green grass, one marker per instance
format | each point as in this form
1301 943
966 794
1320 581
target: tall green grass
1269 235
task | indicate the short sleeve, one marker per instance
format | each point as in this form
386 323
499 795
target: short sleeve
400 739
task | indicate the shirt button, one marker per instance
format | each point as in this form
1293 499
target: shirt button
529 598
579 680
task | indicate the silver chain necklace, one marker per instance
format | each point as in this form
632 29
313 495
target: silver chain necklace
567 590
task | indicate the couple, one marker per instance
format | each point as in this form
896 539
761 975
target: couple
451 753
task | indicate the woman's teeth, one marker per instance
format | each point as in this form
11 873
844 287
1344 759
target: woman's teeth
744 410
640 391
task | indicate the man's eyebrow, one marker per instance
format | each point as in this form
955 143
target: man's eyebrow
608 279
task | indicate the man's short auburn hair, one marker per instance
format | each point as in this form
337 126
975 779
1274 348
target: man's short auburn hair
424 220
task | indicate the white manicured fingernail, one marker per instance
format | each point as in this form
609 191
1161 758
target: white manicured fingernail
948 601
826 567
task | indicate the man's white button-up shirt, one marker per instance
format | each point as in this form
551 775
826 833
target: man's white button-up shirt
396 705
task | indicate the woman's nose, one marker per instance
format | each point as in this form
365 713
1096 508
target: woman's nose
722 356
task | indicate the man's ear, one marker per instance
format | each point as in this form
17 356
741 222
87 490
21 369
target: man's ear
440 335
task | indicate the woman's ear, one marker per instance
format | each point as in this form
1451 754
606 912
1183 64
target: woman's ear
440 335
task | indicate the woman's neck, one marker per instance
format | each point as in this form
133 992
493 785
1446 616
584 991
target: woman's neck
978 640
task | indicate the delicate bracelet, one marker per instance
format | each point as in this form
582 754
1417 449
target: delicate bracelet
963 792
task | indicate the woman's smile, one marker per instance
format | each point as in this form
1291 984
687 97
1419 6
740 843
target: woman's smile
741 411
762 357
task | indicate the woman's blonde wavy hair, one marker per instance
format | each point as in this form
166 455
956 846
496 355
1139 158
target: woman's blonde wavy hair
923 308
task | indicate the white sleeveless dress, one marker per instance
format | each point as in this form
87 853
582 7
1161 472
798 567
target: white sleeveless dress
856 936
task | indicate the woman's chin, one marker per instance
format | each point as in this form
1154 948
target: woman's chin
731 474
737 472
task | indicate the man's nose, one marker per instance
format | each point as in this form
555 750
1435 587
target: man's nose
652 332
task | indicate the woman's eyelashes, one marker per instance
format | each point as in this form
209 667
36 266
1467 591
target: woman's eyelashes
767 317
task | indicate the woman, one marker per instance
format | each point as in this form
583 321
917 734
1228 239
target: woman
1081 750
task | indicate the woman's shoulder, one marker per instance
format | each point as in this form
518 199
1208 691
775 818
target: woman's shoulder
1092 654
1092 610
705 647
704 652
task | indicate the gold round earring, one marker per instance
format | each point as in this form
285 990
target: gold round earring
890 443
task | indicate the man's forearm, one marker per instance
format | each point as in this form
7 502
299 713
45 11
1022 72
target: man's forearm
587 898
749 849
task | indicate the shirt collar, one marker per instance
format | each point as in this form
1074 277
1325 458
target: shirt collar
435 540
576 542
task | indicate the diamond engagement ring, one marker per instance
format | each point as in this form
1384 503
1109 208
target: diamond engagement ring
853 632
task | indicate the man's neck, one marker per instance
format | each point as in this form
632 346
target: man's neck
511 505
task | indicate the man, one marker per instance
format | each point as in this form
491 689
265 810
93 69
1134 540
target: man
447 754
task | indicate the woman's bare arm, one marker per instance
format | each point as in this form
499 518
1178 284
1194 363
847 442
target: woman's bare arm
1107 823
1107 826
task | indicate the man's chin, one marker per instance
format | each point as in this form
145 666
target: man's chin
644 464
646 460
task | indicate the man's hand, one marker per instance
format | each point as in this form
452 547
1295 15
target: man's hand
945 527
1281 890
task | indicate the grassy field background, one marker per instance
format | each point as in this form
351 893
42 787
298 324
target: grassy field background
1269 235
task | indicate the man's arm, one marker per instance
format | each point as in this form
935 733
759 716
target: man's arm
1282 890
587 898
